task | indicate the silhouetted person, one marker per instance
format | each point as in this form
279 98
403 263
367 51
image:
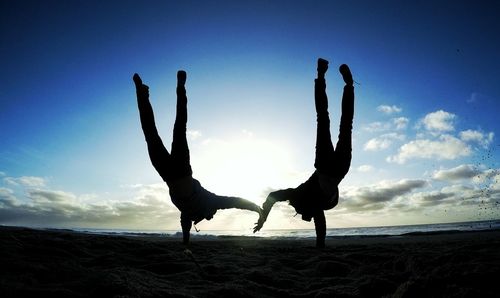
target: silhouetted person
187 194
320 192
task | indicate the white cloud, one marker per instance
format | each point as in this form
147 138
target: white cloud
487 176
28 181
495 185
51 196
414 198
365 168
150 208
377 144
460 172
467 195
471 135
7 198
377 126
377 196
382 142
10 181
435 198
446 148
478 137
400 122
439 121
389 109
6 192
193 134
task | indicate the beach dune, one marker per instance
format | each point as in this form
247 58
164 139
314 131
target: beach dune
63 263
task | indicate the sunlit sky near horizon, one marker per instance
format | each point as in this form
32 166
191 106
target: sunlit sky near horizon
426 127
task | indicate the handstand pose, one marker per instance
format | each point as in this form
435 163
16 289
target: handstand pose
187 194
320 192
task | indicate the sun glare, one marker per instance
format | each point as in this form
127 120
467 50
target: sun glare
244 167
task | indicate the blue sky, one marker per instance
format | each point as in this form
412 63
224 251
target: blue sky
425 133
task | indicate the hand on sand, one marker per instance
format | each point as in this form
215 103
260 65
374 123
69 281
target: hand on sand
181 78
322 66
141 89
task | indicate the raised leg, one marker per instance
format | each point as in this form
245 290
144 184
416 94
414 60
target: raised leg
343 151
180 149
324 147
160 158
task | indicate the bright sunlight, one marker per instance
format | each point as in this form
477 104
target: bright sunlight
244 166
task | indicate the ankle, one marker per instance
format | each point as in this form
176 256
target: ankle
320 82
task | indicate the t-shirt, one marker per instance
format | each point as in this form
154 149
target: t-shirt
329 186
197 202
310 197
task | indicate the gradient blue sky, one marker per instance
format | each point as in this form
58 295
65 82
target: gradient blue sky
426 123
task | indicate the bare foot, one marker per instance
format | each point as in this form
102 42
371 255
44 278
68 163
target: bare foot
346 74
141 89
137 79
181 78
322 67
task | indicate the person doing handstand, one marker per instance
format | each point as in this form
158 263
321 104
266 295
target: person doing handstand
320 192
195 202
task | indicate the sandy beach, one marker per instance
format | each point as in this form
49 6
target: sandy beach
63 263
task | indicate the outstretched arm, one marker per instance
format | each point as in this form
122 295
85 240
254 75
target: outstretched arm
320 225
186 228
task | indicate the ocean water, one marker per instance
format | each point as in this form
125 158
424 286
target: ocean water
310 233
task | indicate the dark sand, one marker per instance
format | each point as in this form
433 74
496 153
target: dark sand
64 263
